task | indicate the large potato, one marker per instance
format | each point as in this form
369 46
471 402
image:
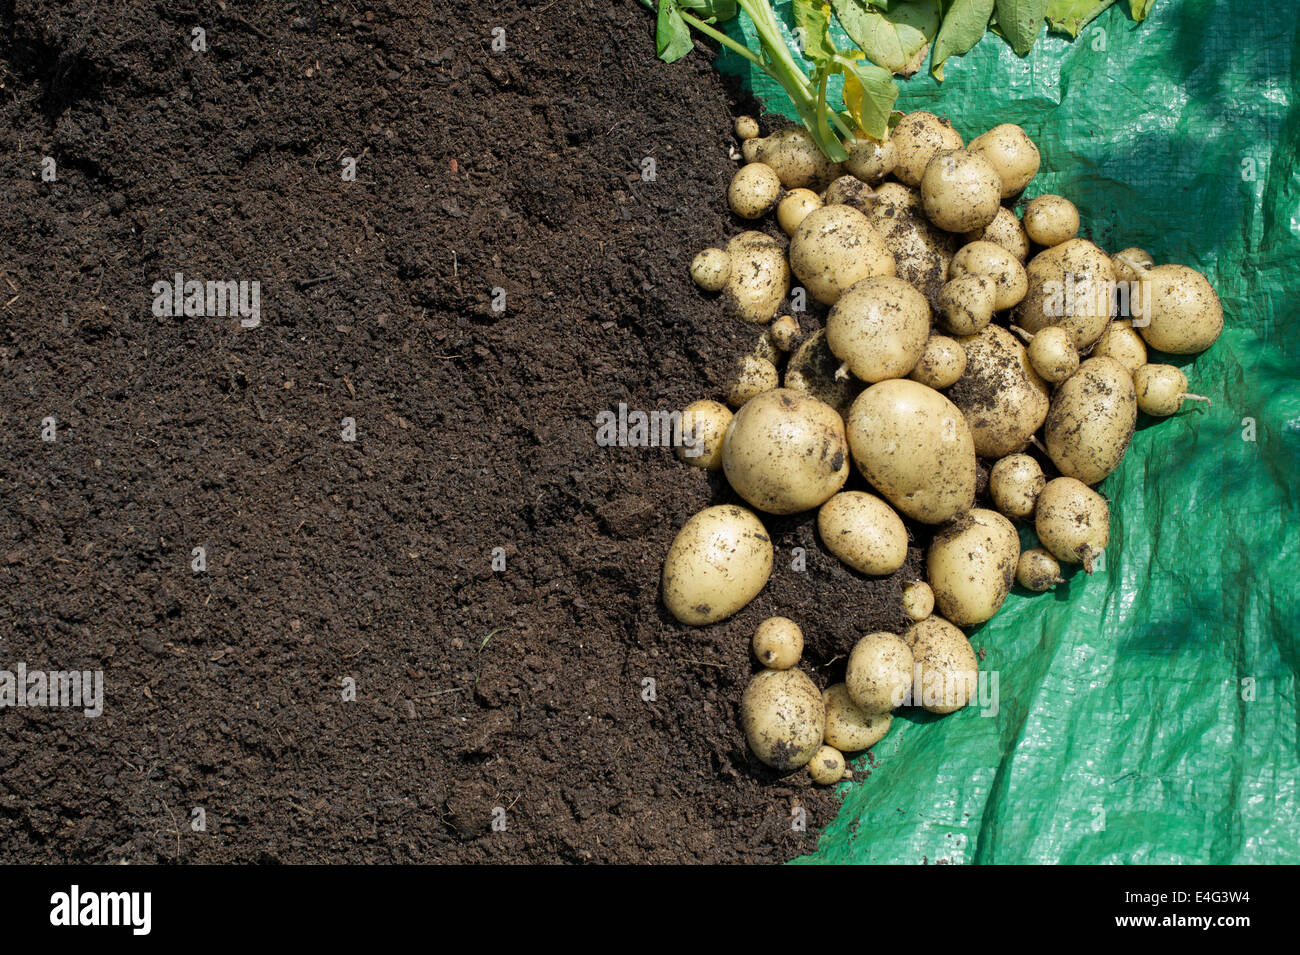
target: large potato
1072 521
946 668
879 328
719 561
960 190
864 532
813 370
1003 398
759 277
922 251
1091 420
795 157
879 674
971 565
1071 285
1184 312
916 138
1012 153
785 452
783 717
834 247
915 448
849 729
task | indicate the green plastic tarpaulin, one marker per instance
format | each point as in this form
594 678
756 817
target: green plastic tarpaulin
1147 714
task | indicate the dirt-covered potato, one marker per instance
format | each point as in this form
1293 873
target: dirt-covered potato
1162 389
1129 263
814 371
795 157
785 452
918 600
1000 394
1071 285
833 248
850 191
1091 420
710 269
794 208
922 251
785 333
1072 521
916 138
1014 484
942 362
971 565
1005 230
985 258
746 127
1037 570
864 532
960 190
1012 153
1182 309
750 376
869 160
827 767
915 448
783 718
778 643
879 673
946 674
754 190
1050 220
966 303
766 349
759 277
719 561
1121 342
704 424
879 328
849 729
1053 355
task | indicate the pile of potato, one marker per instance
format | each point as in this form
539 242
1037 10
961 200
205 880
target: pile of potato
946 359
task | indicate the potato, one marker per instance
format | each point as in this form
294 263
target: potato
921 250
794 208
915 448
864 532
750 376
785 452
850 191
785 333
946 671
766 349
1162 389
1072 522
835 247
849 729
749 149
985 258
960 190
879 673
1182 309
1014 484
759 278
827 767
754 191
879 328
815 371
1005 230
711 269
1037 570
1121 342
704 423
918 600
942 362
971 565
746 127
916 138
1091 420
1071 285
783 718
778 643
1050 220
795 157
966 303
1012 153
869 160
719 561
1000 394
1053 355
1129 262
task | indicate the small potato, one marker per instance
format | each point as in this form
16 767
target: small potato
1050 220
1037 570
835 247
966 303
783 718
1129 263
719 561
711 269
918 600
1002 397
916 138
746 127
785 333
915 448
1072 522
971 565
850 191
1071 285
814 371
1053 355
794 208
1162 389
704 424
1005 230
749 149
750 377
754 190
864 532
942 362
1121 342
1182 309
1012 153
1014 484
1091 420
879 673
849 729
921 249
869 160
759 278
960 190
827 767
985 258
879 328
795 157
785 452
946 671
778 643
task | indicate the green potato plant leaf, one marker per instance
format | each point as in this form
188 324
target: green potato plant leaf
1071 16
963 26
1140 8
1019 21
672 35
896 39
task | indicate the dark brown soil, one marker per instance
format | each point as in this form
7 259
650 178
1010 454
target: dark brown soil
372 561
